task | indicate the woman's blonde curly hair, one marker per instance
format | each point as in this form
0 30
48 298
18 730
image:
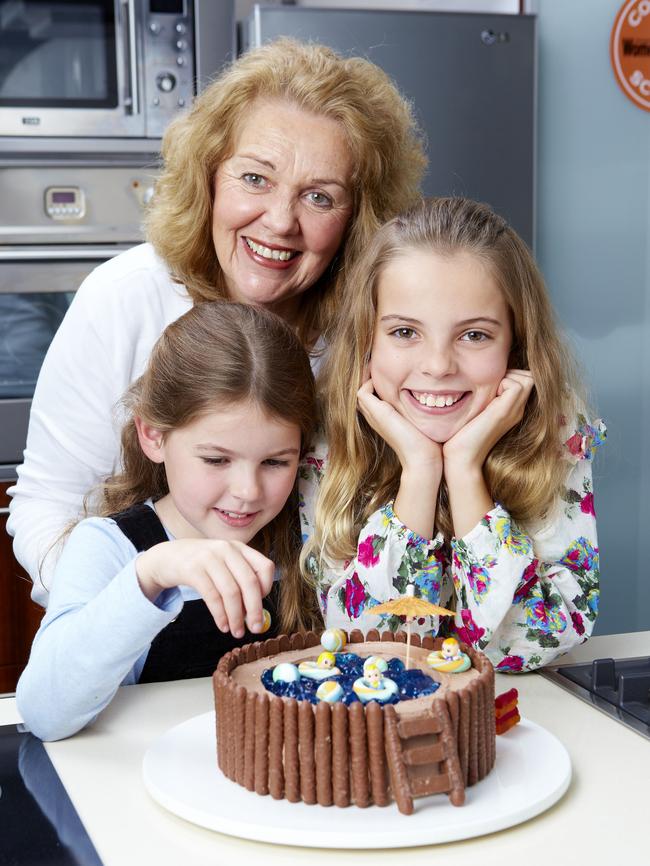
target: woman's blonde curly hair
379 125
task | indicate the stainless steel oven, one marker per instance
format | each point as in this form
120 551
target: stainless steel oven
87 88
58 221
105 68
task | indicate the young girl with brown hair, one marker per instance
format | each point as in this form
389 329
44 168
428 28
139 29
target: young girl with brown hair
463 463
160 584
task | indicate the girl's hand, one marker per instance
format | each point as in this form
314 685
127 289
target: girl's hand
468 449
231 577
419 456
414 450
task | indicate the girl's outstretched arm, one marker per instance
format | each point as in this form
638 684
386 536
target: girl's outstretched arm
526 598
102 616
231 577
95 633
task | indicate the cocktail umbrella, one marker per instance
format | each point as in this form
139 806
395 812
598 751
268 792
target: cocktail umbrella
410 607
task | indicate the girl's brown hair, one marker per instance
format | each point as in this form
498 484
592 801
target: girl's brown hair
523 471
378 123
215 356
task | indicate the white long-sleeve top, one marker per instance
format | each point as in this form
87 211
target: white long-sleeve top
101 347
522 595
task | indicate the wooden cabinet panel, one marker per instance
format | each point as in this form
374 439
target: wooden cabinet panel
19 615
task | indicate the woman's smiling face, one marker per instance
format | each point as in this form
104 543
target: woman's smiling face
442 339
282 203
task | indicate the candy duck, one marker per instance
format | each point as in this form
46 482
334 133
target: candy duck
449 659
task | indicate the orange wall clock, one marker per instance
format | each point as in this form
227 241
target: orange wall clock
629 50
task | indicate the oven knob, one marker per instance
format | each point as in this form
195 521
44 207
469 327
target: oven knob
166 82
180 60
154 27
181 44
147 195
180 27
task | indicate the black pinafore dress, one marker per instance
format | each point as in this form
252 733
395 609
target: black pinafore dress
191 645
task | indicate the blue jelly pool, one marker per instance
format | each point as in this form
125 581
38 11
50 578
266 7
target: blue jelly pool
411 684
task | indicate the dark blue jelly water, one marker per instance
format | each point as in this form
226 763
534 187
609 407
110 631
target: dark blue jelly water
411 684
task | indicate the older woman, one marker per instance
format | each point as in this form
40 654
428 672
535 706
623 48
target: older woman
271 185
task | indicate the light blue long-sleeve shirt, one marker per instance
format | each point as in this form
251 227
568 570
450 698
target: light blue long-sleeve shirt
96 633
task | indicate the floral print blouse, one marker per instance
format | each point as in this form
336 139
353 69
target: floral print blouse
522 595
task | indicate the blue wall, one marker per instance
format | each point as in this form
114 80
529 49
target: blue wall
593 244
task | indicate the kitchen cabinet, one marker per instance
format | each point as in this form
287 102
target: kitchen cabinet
19 615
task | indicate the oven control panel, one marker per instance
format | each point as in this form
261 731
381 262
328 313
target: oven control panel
65 203
168 37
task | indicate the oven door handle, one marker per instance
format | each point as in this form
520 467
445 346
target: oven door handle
67 253
131 98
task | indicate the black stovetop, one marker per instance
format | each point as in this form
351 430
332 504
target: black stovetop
620 688
39 823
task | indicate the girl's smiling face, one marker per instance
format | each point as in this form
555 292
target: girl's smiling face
230 472
442 339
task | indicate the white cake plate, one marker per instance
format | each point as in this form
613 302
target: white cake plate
532 771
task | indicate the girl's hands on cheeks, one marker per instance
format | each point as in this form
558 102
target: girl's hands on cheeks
419 456
468 449
414 449
465 453
231 577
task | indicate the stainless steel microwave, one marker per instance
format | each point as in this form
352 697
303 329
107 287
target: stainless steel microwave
106 68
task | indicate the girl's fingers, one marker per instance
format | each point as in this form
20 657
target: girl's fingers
248 595
251 578
231 596
365 393
516 387
262 566
514 378
211 596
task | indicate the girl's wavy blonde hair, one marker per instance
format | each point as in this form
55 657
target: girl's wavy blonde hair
383 137
523 471
216 356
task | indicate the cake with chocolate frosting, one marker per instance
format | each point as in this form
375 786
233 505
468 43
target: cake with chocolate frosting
370 733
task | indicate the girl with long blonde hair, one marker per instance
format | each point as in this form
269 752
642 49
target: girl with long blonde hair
458 453
173 570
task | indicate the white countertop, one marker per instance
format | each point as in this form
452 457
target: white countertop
101 770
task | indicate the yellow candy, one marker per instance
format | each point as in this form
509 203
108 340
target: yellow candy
329 691
333 639
266 621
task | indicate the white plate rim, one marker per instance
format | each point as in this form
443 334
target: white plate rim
263 822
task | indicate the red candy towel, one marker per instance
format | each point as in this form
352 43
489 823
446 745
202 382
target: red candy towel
506 711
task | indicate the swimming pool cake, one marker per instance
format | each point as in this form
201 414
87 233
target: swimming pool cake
338 720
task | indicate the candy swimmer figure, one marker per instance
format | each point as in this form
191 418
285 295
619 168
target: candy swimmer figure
373 685
326 660
449 659
373 677
324 666
450 649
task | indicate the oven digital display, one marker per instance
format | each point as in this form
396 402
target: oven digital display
167 7
63 197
